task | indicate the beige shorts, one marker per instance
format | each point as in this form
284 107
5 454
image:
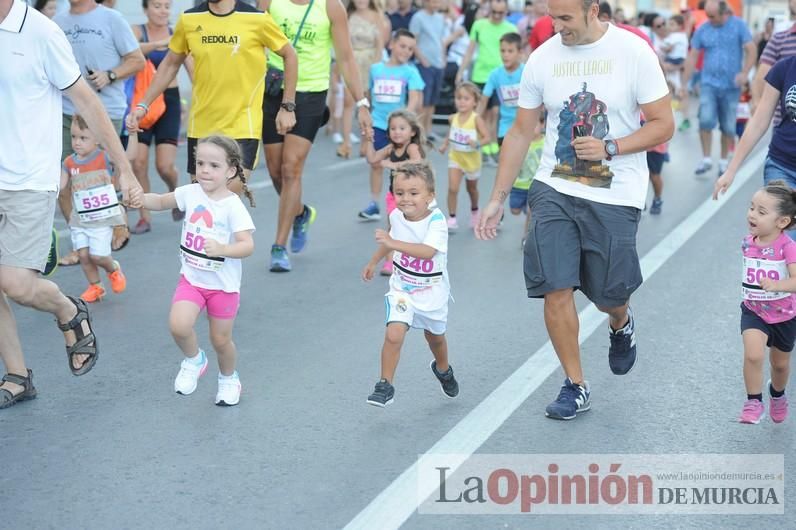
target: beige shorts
26 221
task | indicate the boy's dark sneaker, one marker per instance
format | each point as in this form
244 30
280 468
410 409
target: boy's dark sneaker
571 400
52 257
622 352
382 395
446 380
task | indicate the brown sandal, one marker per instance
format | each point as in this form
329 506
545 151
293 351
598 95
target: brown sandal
70 259
121 236
8 399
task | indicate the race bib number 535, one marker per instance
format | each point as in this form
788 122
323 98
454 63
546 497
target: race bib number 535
96 204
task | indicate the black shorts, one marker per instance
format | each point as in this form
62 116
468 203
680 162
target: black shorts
781 335
167 129
581 244
311 114
494 101
250 147
655 162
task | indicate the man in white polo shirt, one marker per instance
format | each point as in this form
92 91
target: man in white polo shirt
37 65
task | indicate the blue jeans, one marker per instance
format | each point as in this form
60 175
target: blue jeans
772 171
775 171
718 105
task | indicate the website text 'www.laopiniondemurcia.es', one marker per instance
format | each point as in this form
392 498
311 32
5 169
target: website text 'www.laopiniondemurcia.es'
602 484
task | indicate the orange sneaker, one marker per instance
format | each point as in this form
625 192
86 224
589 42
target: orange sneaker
118 281
94 293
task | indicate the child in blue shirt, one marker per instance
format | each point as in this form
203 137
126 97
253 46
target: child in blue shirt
395 84
505 81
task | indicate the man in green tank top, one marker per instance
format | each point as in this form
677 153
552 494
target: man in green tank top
313 27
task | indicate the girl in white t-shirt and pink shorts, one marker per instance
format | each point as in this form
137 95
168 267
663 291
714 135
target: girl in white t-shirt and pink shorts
216 234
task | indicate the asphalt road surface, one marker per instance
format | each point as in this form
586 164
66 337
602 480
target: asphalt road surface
118 449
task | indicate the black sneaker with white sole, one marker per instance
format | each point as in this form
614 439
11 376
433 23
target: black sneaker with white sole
382 395
622 352
450 387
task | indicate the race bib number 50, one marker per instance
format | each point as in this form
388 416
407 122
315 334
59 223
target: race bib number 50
192 247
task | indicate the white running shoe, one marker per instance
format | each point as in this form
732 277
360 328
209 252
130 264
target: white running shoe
337 138
189 375
354 138
228 390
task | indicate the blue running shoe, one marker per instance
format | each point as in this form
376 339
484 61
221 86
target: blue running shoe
279 260
371 213
301 226
655 209
622 352
571 400
52 256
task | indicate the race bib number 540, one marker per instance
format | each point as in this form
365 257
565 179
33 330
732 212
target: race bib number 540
416 272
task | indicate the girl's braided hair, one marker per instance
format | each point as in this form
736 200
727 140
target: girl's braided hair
234 159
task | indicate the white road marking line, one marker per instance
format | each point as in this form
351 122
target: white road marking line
261 184
393 506
346 164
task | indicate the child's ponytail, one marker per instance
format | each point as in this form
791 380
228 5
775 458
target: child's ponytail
234 157
785 197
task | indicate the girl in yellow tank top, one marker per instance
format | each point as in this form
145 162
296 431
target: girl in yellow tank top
466 131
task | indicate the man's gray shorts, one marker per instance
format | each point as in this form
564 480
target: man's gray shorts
581 244
26 220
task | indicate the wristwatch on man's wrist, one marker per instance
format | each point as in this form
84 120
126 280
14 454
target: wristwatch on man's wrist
363 103
112 76
288 106
611 149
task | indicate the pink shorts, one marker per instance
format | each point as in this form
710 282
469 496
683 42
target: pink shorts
220 304
391 204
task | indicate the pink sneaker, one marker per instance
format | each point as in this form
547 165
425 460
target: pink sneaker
753 411
452 224
778 408
474 214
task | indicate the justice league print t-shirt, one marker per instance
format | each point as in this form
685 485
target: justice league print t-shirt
594 90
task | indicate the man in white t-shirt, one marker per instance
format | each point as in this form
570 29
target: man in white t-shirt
594 79
37 66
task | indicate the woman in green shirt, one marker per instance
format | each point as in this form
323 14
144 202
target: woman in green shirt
313 26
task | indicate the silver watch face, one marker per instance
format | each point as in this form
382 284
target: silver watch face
610 147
